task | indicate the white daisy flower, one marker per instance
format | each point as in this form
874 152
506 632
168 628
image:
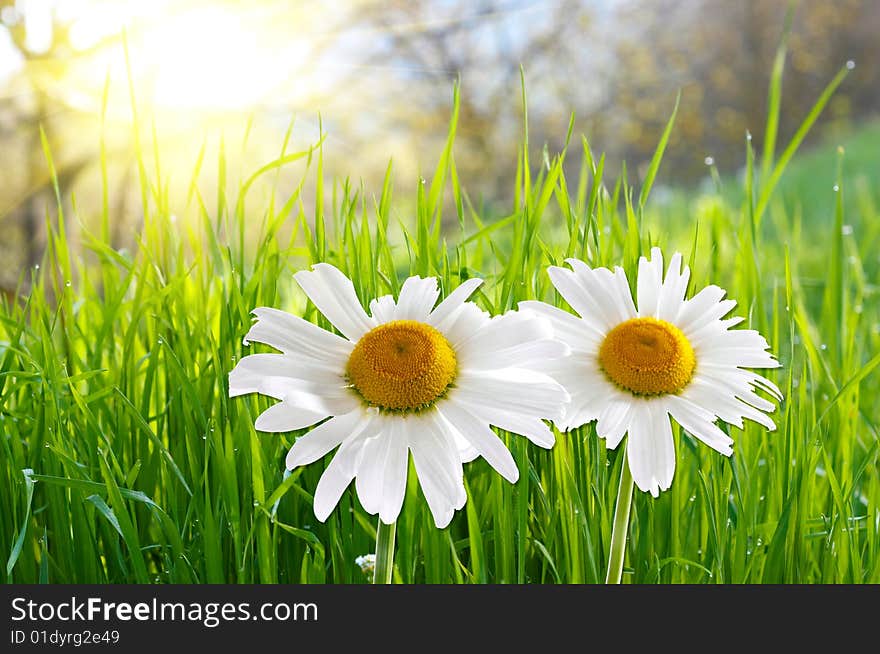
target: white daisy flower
631 368
409 378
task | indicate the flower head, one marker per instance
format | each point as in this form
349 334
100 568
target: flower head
409 378
632 368
367 564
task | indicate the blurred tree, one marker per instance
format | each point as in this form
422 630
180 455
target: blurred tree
721 55
619 65
30 108
380 74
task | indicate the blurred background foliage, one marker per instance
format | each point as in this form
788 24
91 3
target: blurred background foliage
221 81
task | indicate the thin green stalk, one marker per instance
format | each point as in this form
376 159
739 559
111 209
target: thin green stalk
621 524
384 553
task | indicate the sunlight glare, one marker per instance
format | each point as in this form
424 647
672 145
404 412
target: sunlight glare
205 59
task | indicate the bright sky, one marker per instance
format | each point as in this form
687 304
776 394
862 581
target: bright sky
200 56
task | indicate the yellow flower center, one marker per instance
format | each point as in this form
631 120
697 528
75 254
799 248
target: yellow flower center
647 356
402 365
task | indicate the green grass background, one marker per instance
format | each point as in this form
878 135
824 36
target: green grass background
123 460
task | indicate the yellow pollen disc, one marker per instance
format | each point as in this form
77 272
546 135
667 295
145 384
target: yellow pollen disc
647 356
402 365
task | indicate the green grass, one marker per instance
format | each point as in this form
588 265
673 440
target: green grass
123 460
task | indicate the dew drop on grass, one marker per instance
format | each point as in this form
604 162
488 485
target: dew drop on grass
67 284
823 346
37 267
709 161
850 64
748 136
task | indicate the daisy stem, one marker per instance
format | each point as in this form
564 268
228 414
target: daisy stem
621 524
384 553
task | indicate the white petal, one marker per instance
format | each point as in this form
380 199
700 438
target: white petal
370 469
708 319
671 296
532 428
447 309
741 383
339 474
334 295
763 383
383 308
698 306
520 391
715 399
394 474
285 416
272 374
723 401
581 291
665 446
466 451
591 393
531 355
482 438
293 335
325 393
463 323
333 483
613 423
325 437
624 294
381 470
576 333
438 468
610 290
700 424
650 448
417 298
515 339
507 330
649 280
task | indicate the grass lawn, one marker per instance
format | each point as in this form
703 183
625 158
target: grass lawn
122 460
